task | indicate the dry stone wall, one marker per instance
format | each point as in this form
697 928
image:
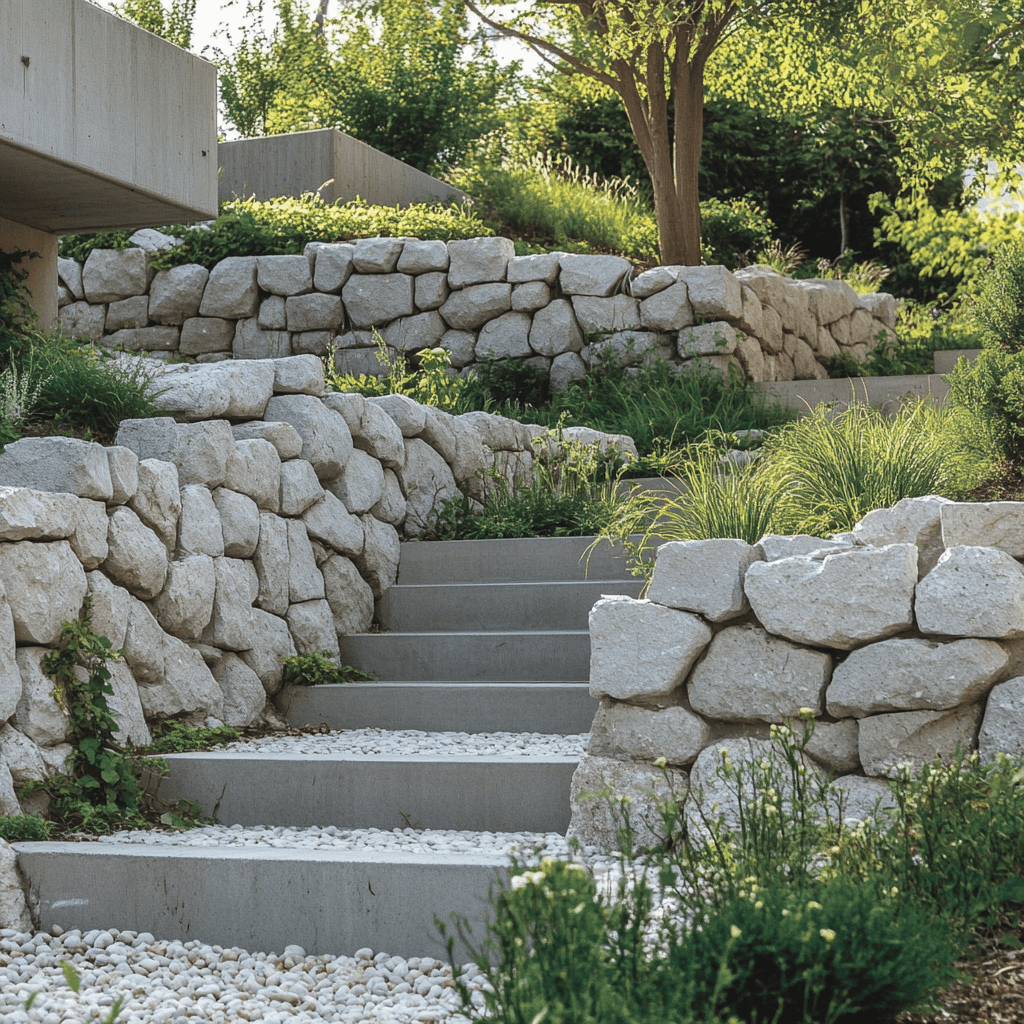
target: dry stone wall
263 521
904 638
475 298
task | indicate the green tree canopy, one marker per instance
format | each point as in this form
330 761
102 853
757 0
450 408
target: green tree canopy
173 23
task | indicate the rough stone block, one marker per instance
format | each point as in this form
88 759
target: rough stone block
915 738
231 290
592 275
623 730
57 464
110 275
471 307
378 298
478 260
284 275
703 576
1002 728
175 294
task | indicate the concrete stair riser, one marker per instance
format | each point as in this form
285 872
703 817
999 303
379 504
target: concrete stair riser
480 657
495 607
478 794
327 902
549 708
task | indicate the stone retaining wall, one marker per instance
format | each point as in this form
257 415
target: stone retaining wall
476 299
904 638
264 522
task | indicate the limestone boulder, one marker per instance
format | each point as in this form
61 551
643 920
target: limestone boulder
412 333
300 488
330 523
254 468
796 597
185 606
239 521
375 299
244 696
650 282
127 314
123 465
747 674
252 341
380 436
62 464
614 313
312 628
460 346
713 292
14 912
175 294
440 433
333 266
137 558
272 643
21 755
471 307
69 273
10 677
914 675
110 607
378 561
154 438
555 330
80 320
231 291
529 297
640 734
110 275
828 300
26 514
326 439
126 704
299 375
13 908
834 745
271 562
361 485
157 500
423 257
592 275
909 521
203 452
703 576
392 507
89 539
284 275
283 436
854 798
476 260
349 596
1002 728
667 309
305 581
716 337
38 715
235 389
204 334
565 369
772 547
972 591
430 291
505 337
915 738
639 649
377 255
410 417
315 312
230 627
987 524
540 267
45 586
199 529
427 482
637 791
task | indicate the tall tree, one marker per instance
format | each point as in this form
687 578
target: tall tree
946 69
173 23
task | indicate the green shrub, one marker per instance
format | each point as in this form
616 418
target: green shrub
315 668
999 299
991 391
24 828
732 229
506 383
173 737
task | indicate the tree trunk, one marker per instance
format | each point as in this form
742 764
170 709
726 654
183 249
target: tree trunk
844 224
681 244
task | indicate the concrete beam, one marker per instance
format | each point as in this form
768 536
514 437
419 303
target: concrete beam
327 902
803 395
104 125
478 794
339 166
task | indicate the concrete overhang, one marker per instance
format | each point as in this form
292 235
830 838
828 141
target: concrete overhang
102 125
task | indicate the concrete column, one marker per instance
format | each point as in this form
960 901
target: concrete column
42 270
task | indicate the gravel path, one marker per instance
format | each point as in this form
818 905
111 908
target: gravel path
412 741
184 983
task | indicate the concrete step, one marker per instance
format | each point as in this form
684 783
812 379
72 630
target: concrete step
328 902
549 708
486 607
478 794
524 560
541 656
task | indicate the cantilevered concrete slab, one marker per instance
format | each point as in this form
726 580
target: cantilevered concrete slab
102 125
298 162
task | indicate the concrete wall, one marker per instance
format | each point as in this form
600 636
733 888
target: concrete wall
103 125
288 165
42 272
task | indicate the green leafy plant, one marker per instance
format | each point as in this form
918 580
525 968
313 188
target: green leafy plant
174 737
315 668
24 828
999 300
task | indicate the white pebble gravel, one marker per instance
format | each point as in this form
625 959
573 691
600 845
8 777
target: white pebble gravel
175 982
405 742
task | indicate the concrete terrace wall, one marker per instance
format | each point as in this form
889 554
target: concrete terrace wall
903 638
475 299
266 522
337 165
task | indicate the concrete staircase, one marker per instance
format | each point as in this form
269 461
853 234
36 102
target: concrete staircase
479 636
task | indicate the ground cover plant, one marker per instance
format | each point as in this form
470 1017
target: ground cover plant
775 908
